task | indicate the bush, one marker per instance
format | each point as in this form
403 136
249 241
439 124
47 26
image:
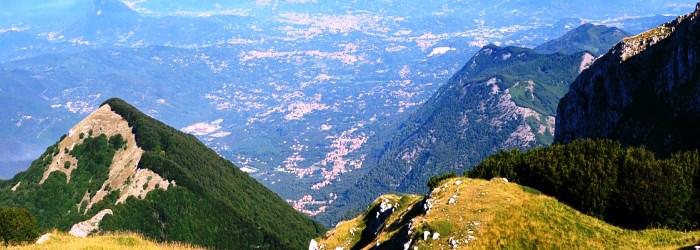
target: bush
117 141
17 226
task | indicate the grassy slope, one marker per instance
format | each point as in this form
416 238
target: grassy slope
109 241
508 215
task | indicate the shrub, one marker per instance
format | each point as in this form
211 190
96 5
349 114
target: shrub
17 226
117 141
628 187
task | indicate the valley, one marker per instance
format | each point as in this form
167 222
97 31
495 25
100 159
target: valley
279 124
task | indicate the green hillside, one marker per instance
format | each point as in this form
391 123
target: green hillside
191 194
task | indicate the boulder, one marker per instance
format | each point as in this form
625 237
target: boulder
85 228
454 243
407 245
313 245
452 200
43 239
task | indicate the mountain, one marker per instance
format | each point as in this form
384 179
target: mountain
596 39
504 97
480 214
120 170
643 92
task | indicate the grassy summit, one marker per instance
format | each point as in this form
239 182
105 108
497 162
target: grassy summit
496 214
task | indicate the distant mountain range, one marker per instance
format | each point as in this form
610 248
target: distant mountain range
120 170
504 97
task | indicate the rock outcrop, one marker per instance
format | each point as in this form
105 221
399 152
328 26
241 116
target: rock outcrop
645 91
124 176
85 228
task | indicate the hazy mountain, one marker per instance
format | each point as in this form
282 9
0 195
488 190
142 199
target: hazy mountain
120 170
596 39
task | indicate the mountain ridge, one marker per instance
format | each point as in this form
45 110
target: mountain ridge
143 168
595 39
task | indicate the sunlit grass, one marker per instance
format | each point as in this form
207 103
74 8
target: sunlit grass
125 240
495 214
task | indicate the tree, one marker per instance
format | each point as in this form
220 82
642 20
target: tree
17 226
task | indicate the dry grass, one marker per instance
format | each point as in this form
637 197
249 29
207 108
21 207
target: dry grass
660 32
496 214
60 240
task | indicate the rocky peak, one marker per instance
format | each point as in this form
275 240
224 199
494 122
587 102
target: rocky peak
632 46
124 176
644 91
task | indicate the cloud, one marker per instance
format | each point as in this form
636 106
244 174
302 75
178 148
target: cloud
440 51
212 129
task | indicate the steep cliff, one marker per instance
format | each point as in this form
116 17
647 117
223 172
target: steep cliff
645 91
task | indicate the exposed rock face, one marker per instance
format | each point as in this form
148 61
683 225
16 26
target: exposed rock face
14 188
645 91
83 229
124 176
313 245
